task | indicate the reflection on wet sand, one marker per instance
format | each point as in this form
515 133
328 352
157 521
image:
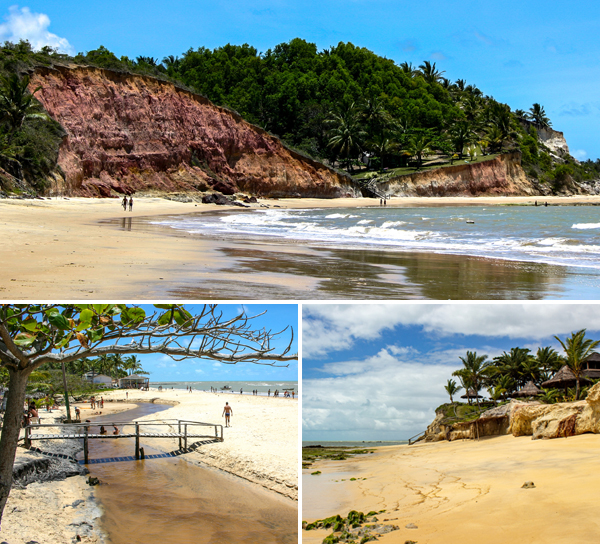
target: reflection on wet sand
380 274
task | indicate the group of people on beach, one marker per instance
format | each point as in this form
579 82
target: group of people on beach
124 203
96 404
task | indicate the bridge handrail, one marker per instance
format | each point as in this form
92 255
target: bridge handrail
412 440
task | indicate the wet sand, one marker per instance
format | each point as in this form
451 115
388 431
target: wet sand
172 500
466 491
91 249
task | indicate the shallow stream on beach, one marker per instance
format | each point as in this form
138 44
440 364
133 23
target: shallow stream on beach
169 500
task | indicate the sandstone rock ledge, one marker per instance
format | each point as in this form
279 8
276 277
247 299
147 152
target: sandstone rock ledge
525 419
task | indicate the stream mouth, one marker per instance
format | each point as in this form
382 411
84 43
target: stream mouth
168 500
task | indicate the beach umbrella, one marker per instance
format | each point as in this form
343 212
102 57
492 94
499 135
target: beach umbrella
528 390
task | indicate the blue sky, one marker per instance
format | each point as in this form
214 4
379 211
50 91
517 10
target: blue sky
519 52
277 317
377 372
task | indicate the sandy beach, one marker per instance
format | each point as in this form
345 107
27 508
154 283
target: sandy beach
80 249
261 445
466 491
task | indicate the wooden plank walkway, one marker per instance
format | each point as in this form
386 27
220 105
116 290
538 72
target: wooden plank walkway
81 431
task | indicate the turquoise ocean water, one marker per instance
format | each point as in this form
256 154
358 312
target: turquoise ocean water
263 387
556 235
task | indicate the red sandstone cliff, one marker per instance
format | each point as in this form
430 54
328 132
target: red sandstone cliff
502 175
129 133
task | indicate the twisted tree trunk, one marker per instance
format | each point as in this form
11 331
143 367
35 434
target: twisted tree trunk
10 430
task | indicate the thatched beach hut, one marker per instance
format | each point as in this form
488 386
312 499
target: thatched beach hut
528 390
563 378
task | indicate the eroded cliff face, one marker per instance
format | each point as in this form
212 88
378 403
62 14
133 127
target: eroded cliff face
502 175
129 133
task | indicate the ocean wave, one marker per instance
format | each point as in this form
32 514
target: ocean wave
586 226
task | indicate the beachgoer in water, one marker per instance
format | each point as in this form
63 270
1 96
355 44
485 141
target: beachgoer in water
116 429
130 203
240 390
102 430
269 393
227 411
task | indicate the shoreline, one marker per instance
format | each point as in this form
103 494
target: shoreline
57 246
456 491
261 446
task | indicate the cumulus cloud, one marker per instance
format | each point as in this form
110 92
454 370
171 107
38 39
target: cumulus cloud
335 327
22 24
383 396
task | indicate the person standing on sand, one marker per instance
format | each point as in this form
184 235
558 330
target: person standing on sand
130 203
124 203
227 411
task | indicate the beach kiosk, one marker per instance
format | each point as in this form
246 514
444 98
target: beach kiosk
564 378
135 381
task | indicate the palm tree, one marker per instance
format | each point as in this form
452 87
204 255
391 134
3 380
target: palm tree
346 134
16 103
408 69
429 72
549 359
418 145
538 116
461 134
577 349
517 365
452 388
475 371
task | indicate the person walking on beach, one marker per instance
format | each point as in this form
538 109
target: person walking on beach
124 203
130 203
227 411
77 414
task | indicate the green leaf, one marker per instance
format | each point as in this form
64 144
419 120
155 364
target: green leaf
182 316
137 315
52 311
65 341
165 306
86 317
165 318
96 335
59 321
30 324
24 339
100 308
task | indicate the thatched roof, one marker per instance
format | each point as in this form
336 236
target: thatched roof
471 394
528 390
563 378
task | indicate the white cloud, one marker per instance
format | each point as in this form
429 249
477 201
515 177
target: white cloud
580 154
334 327
395 396
22 24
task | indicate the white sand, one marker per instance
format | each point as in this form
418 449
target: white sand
261 445
467 491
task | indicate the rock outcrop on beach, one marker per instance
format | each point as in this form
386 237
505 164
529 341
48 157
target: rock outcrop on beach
525 419
129 133
502 175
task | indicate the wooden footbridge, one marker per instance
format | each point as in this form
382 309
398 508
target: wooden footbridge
86 431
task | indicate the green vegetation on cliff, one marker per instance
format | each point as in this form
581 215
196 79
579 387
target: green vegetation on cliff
344 105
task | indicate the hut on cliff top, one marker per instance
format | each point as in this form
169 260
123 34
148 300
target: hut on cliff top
528 390
591 367
564 378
